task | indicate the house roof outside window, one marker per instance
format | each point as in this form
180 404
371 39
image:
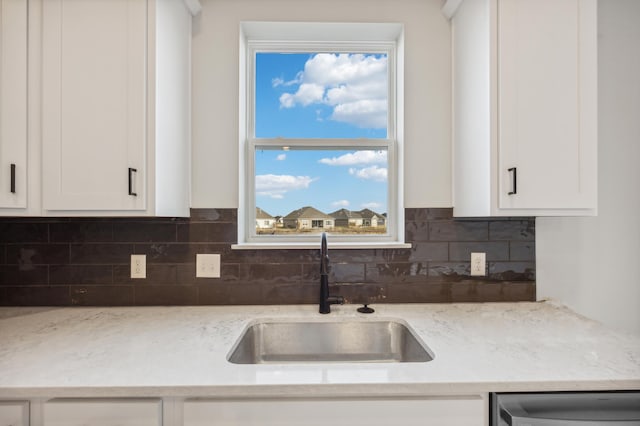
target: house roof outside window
261 214
345 214
307 212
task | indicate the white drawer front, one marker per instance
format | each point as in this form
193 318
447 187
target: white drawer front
103 413
14 413
343 412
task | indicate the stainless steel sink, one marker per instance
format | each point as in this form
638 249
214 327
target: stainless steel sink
348 341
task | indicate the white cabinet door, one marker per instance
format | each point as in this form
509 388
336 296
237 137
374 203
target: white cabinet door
14 413
103 413
94 104
13 104
546 104
525 108
338 412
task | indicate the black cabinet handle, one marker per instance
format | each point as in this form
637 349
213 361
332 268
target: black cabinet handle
131 172
515 180
13 178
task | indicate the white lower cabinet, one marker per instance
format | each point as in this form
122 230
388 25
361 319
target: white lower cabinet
471 410
463 411
14 413
102 413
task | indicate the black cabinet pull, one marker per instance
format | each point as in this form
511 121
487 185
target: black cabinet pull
131 172
13 178
515 180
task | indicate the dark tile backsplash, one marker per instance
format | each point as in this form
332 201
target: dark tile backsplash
85 261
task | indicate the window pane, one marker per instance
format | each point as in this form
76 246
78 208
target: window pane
321 95
301 191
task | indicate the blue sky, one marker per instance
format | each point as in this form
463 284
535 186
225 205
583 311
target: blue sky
321 96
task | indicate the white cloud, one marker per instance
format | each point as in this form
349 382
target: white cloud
278 81
307 94
354 85
378 174
276 186
281 157
357 158
287 100
340 203
333 70
363 113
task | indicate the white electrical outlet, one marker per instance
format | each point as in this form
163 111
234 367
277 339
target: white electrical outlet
478 264
207 266
138 266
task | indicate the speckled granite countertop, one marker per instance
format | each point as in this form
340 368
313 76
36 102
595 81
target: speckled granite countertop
181 352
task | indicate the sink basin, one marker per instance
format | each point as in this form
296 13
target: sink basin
347 341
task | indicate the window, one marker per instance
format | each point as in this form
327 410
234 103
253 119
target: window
320 145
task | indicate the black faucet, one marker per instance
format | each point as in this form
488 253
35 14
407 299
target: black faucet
325 300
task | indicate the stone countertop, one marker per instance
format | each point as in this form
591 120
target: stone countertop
181 352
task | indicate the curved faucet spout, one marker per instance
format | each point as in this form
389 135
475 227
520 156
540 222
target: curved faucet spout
325 299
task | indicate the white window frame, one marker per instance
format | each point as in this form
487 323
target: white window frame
264 37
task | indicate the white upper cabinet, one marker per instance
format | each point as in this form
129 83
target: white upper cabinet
115 107
525 107
13 106
94 103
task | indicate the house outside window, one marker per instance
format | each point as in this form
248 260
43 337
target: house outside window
314 179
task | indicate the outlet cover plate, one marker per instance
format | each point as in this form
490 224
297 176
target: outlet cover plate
138 266
478 264
207 266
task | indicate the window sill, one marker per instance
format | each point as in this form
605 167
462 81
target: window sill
307 245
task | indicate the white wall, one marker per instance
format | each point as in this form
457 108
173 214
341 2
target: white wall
427 90
593 264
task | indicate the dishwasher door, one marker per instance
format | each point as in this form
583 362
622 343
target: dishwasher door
566 409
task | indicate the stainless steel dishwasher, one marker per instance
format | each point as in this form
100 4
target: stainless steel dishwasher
566 409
